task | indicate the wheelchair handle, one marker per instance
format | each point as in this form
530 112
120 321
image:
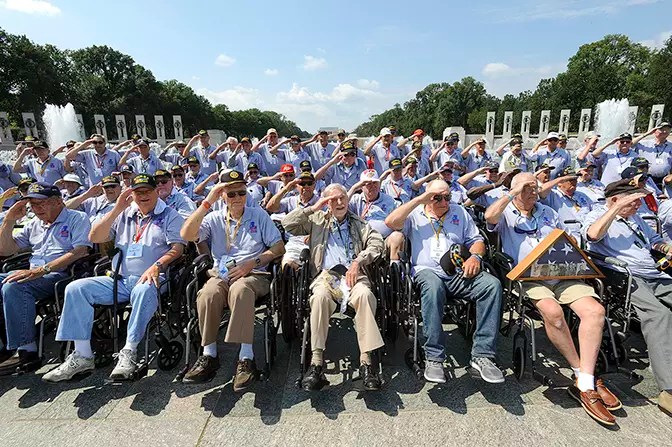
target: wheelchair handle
607 259
305 255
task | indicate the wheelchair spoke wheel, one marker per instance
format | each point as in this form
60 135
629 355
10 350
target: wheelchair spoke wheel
519 354
170 355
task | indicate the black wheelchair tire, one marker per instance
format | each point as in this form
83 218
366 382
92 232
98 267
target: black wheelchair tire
169 356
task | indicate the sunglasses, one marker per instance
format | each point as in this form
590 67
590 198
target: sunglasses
625 141
553 139
306 183
178 175
182 146
233 194
98 142
110 186
528 231
194 166
287 175
341 134
253 172
294 143
439 197
349 154
162 181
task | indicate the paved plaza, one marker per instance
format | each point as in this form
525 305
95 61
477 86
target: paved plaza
465 411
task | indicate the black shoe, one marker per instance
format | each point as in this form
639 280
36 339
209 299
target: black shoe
314 380
5 354
204 370
369 376
22 361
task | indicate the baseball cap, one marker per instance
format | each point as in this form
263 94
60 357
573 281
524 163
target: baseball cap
176 168
348 147
590 135
287 168
231 176
251 166
625 136
28 139
567 171
39 144
411 160
323 132
553 135
454 136
129 168
664 124
141 142
245 140
202 132
448 166
588 165
351 136
305 165
41 190
340 132
395 163
369 175
492 165
544 166
110 180
161 173
417 144
143 181
562 137
180 143
25 182
271 130
193 159
70 143
418 133
72 178
640 162
135 136
624 186
385 131
480 141
307 176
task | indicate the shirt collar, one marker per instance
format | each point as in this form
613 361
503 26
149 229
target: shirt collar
62 216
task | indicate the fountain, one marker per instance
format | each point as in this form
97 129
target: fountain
60 124
612 118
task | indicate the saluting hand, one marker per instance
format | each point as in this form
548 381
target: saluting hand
16 211
215 193
124 200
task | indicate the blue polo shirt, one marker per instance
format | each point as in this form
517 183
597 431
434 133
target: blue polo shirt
294 157
48 242
658 155
255 191
319 155
665 215
474 161
161 229
628 240
445 157
49 171
375 212
289 204
98 166
187 189
427 233
255 233
399 190
241 160
339 248
97 207
203 154
145 166
343 175
569 208
180 203
271 163
593 189
382 156
559 158
612 163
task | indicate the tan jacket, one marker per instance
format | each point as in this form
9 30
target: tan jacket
368 243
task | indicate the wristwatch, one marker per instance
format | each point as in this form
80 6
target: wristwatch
477 256
46 269
159 264
257 261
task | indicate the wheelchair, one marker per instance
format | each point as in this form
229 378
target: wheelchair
295 309
266 314
48 310
167 325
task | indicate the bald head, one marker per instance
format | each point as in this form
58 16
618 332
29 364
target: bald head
438 186
522 178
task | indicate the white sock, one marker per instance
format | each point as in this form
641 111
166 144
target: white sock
586 382
576 371
131 345
30 347
210 350
84 348
395 261
246 352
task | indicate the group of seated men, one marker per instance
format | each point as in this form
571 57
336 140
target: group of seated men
352 208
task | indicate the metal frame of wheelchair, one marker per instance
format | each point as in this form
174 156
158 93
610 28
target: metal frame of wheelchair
266 314
295 309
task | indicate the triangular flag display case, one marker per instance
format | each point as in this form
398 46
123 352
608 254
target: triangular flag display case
556 257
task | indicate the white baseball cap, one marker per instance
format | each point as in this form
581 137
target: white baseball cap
271 130
553 135
370 175
385 131
72 178
590 135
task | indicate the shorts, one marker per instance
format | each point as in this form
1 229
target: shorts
564 292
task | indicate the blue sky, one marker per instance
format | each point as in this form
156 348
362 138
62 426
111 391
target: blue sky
335 63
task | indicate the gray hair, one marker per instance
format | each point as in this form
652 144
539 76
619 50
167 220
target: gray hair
333 186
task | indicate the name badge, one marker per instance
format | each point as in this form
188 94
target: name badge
98 172
620 169
438 247
134 251
224 263
659 161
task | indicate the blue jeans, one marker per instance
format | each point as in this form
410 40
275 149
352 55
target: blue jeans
484 289
81 295
18 301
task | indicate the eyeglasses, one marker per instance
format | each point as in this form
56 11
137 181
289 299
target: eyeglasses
194 166
341 134
232 194
624 141
349 154
98 142
253 172
110 186
178 175
287 176
306 183
440 197
520 220
162 181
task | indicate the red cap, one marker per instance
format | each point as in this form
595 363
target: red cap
418 133
287 169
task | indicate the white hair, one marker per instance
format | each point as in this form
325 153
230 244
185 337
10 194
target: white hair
333 186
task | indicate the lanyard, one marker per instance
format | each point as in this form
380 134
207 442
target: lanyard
43 166
618 154
140 230
397 191
100 160
347 243
367 207
664 145
231 238
439 230
635 230
577 205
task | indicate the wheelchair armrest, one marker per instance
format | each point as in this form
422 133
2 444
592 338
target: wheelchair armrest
204 259
17 261
305 255
403 257
606 259
503 259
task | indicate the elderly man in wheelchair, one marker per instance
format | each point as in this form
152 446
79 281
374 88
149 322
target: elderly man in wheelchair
433 224
57 237
522 223
147 233
341 245
617 230
243 240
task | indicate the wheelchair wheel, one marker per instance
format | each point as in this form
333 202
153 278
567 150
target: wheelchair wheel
519 354
602 364
169 356
394 289
285 309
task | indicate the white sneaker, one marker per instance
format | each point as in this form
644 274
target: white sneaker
434 372
73 365
126 365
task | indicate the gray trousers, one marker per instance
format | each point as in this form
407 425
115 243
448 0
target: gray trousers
652 300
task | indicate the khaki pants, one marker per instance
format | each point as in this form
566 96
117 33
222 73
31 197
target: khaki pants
322 306
239 297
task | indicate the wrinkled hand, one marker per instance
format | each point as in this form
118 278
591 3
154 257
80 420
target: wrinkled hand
625 201
95 190
352 274
21 276
426 197
16 211
151 276
471 267
125 199
241 270
215 193
9 193
521 186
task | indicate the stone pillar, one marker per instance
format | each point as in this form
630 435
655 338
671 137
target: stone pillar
141 128
100 125
179 129
29 124
584 122
563 127
122 130
507 130
656 115
633 119
544 123
525 123
160 130
80 123
490 128
5 132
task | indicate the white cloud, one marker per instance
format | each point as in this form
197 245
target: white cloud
532 10
237 98
495 69
311 63
41 7
271 72
224 61
196 78
658 41
365 83
501 78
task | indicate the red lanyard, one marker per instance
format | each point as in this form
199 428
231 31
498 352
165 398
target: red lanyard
100 160
397 191
366 209
140 230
